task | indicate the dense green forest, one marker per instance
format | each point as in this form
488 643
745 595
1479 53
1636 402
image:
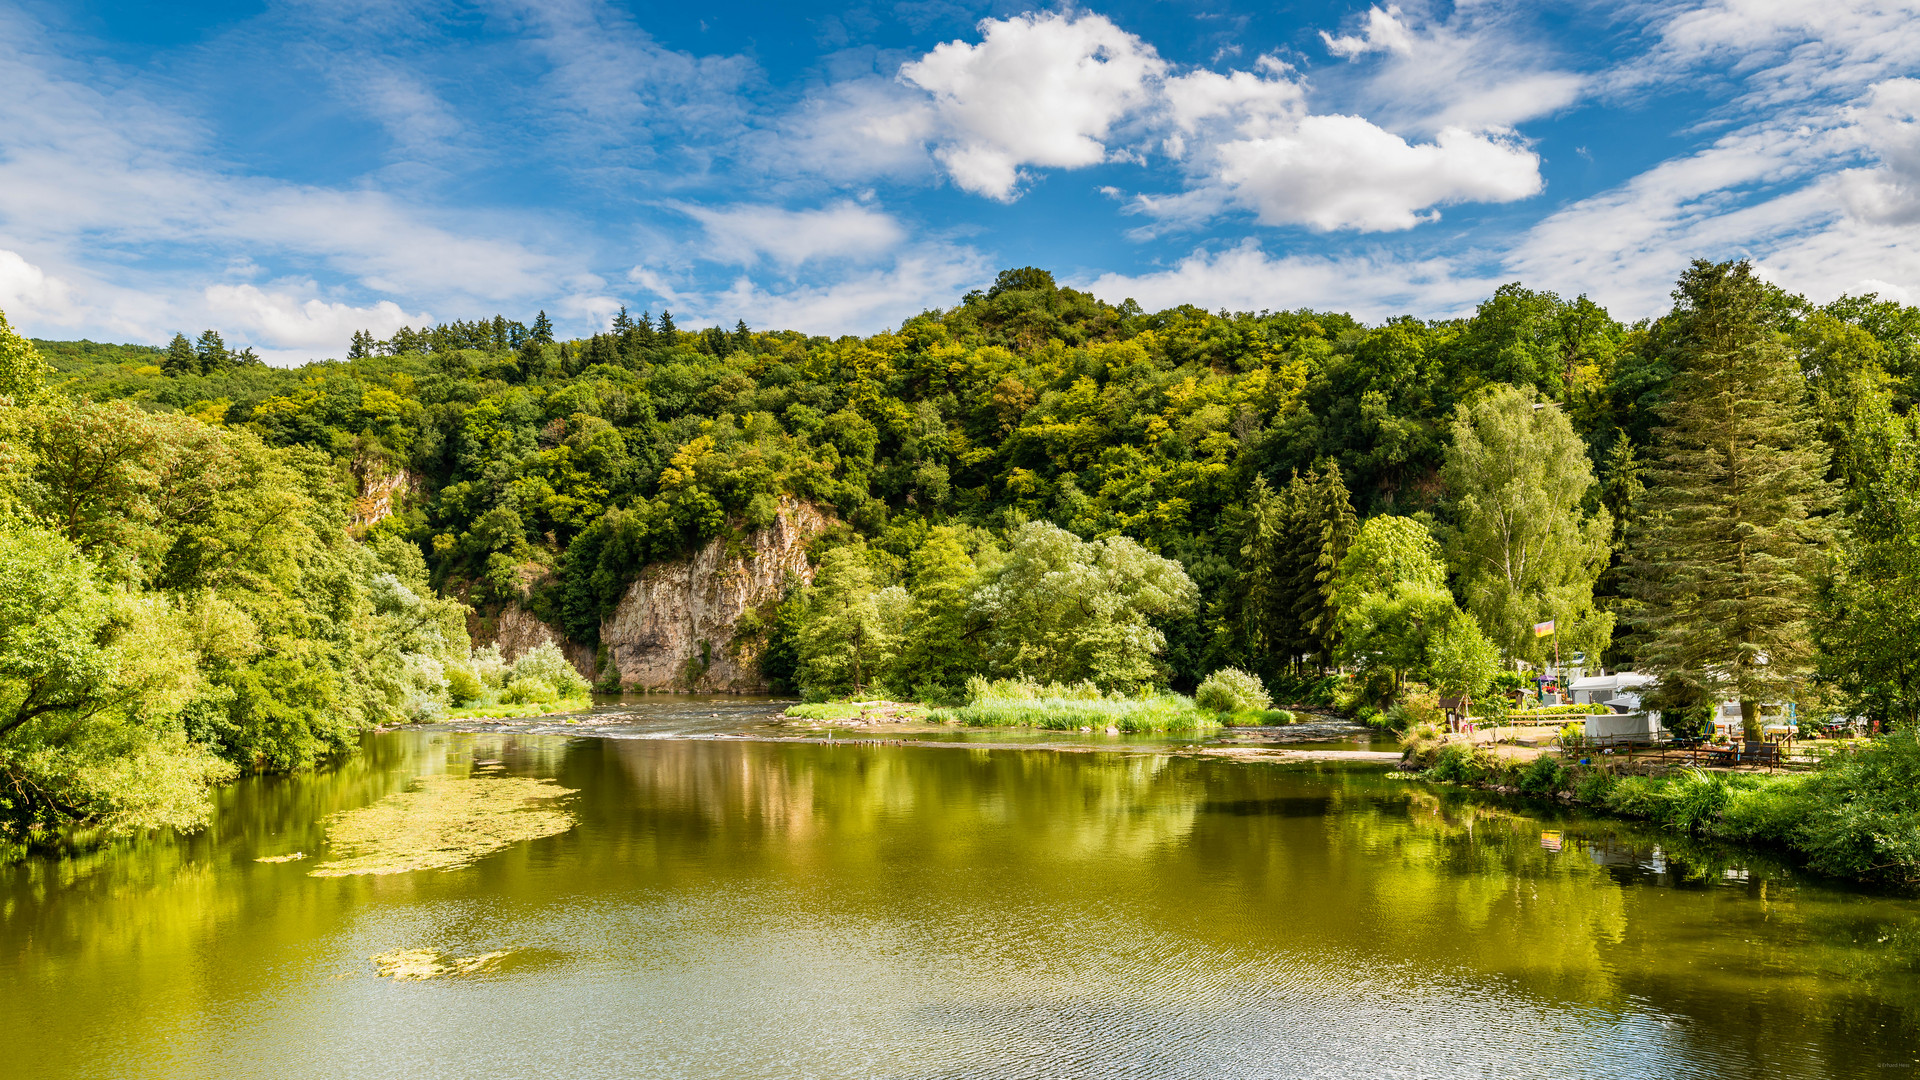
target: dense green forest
1033 483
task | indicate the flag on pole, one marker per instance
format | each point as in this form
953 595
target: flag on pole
1542 629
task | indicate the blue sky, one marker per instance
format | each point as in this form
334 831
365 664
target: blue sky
288 172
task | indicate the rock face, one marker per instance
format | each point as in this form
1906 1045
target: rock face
377 487
518 631
674 628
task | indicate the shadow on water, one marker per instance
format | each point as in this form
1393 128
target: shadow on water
764 908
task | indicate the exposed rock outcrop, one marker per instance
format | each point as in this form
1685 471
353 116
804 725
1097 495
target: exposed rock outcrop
675 628
518 631
378 488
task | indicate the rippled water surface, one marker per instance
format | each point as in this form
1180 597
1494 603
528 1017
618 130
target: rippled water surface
732 907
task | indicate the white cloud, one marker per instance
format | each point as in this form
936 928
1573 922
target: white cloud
1483 68
28 292
845 230
1246 278
1383 32
282 321
1037 90
857 129
1335 172
1889 122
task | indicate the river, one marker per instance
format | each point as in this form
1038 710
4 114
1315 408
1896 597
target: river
742 907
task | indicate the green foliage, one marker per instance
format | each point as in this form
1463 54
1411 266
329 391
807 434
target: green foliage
1232 690
1461 661
1543 776
1523 551
1392 595
1732 533
1057 707
23 372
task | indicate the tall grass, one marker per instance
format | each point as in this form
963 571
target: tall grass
1054 707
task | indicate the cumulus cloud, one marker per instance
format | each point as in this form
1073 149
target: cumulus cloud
1246 278
28 292
281 320
1036 90
844 230
1334 172
1384 31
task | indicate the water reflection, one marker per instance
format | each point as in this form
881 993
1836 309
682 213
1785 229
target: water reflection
735 908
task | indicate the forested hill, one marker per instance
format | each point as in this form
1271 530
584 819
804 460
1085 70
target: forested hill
1025 401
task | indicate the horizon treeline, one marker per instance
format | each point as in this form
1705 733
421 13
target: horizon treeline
1255 450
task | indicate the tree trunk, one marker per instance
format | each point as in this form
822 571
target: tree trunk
1750 720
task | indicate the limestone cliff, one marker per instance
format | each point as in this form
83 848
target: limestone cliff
378 487
518 631
674 627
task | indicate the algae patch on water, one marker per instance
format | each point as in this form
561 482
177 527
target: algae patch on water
415 964
443 823
295 857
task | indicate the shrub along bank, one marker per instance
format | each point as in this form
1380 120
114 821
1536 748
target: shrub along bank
1856 815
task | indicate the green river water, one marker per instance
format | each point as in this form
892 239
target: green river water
730 907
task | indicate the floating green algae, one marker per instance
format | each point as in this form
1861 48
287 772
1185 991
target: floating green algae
409 965
443 823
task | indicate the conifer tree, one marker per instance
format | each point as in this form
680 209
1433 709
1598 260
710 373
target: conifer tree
180 359
742 337
210 352
1731 529
622 322
361 346
666 329
542 329
1338 526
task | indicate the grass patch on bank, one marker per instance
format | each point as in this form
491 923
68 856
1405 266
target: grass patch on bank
507 710
1054 707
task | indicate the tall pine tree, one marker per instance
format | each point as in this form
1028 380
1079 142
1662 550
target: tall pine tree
1732 528
180 358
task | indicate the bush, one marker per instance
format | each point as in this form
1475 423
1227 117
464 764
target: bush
1462 764
1543 776
1765 811
1593 787
1232 690
1637 796
527 690
546 664
464 686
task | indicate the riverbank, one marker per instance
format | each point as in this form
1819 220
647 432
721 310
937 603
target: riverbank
1855 815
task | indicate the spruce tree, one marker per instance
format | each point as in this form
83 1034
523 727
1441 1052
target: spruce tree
1338 526
180 359
1731 529
622 322
210 352
666 329
542 329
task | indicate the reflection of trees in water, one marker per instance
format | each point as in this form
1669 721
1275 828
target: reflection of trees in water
786 799
1326 869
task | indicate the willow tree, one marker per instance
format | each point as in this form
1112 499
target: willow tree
1729 545
1524 550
